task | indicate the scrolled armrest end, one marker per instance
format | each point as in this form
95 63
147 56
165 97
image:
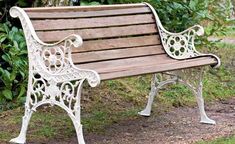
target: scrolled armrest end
199 30
77 40
93 79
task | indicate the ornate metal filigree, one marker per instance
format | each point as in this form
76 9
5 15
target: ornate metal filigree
181 45
53 78
191 78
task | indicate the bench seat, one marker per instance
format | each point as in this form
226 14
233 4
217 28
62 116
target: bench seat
144 65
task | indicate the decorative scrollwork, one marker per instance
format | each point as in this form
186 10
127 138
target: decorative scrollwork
53 61
181 45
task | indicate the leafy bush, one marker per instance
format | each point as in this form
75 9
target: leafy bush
178 15
13 65
5 5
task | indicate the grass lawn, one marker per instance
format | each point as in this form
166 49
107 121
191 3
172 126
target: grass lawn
228 140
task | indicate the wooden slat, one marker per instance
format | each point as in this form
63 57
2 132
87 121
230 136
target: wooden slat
95 45
125 63
85 14
157 68
53 36
82 8
117 54
115 69
63 24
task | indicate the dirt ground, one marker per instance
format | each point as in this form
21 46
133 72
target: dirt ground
179 126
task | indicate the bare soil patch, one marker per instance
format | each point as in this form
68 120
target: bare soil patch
179 126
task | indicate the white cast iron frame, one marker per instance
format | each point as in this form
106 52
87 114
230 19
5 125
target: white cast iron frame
53 78
192 78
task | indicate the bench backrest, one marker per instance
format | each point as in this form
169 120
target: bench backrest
108 32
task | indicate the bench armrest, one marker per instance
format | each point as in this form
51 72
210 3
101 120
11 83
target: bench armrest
67 71
181 45
52 61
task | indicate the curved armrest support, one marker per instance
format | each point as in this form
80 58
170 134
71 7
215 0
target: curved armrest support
180 45
52 61
66 70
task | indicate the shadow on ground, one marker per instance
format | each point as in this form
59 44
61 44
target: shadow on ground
178 126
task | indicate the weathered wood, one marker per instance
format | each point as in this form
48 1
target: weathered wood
83 8
117 70
117 54
125 63
63 24
97 33
84 14
95 45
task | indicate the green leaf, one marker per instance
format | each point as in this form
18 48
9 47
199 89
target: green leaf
22 91
6 57
192 4
3 37
6 28
7 94
13 75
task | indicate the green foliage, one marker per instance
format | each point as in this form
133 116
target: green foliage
13 65
5 5
178 15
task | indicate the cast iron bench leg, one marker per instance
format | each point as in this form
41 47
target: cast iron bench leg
66 99
191 78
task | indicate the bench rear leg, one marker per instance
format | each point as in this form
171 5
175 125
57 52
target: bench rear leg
155 87
191 78
153 92
200 101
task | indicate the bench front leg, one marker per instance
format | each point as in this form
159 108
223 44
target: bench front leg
21 139
66 95
156 85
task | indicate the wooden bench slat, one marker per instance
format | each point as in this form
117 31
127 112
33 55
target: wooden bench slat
117 54
53 36
154 67
82 8
96 45
125 63
85 14
63 24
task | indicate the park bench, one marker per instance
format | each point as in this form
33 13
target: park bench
68 45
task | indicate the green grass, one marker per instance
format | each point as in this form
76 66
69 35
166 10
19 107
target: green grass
228 140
